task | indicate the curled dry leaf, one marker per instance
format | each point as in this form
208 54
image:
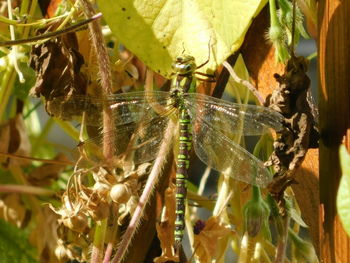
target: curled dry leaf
14 140
94 205
58 63
211 243
72 215
124 73
77 246
300 131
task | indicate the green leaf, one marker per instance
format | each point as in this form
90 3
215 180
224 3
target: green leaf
297 217
14 245
343 196
158 31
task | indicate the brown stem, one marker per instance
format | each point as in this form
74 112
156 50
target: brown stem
106 83
147 192
106 77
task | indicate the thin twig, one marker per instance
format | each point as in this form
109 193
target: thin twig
25 189
21 157
146 194
243 82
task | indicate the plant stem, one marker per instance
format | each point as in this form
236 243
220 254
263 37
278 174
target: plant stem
99 239
146 194
273 13
6 88
25 189
106 77
282 240
106 84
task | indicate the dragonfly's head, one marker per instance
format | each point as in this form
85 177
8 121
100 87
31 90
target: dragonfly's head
184 65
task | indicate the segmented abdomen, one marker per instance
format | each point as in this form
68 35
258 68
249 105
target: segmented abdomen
185 142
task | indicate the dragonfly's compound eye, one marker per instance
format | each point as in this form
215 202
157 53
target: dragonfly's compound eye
184 65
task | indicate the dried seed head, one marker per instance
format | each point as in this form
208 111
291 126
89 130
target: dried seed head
61 253
120 194
143 169
98 211
101 189
76 222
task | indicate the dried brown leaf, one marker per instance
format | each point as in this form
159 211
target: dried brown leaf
46 173
44 235
165 229
14 140
12 209
58 63
211 243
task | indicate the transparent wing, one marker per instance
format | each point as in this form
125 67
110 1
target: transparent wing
126 107
137 142
223 155
231 117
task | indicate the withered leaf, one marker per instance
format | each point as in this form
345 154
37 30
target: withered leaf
14 140
12 209
207 243
165 229
48 172
300 131
58 63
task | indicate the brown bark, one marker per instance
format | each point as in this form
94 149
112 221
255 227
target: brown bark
334 105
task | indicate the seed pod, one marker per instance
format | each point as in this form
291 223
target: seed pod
256 214
101 189
120 194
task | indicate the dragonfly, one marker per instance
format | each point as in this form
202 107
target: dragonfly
204 123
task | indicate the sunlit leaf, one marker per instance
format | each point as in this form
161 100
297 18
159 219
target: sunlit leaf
158 31
343 197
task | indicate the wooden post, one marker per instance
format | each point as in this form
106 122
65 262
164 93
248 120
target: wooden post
334 105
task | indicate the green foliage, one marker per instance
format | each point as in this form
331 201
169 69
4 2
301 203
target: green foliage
281 30
21 90
14 245
159 31
343 197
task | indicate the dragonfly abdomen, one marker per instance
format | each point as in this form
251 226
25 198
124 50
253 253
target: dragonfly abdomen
185 143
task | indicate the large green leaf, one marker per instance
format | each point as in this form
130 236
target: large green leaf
343 197
14 245
157 31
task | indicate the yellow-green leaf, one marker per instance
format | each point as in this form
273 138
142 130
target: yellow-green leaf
343 196
157 31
